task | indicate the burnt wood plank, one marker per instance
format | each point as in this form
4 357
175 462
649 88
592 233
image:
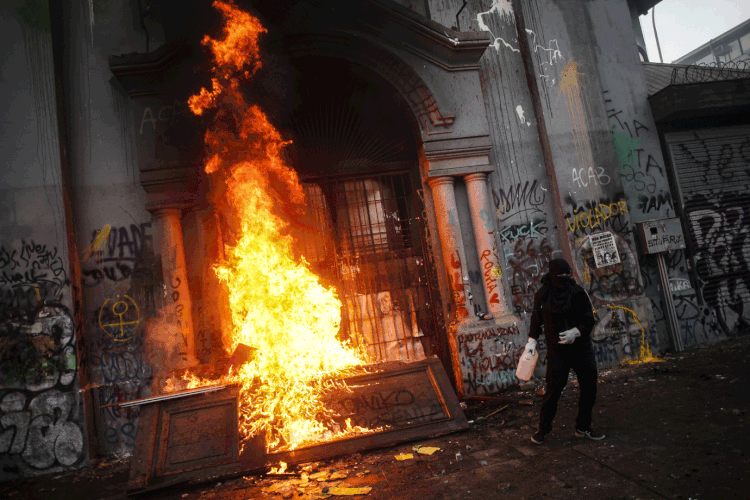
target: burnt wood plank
195 437
413 402
140 466
188 439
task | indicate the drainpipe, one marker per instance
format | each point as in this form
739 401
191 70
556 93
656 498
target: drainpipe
541 127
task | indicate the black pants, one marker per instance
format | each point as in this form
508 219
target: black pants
559 363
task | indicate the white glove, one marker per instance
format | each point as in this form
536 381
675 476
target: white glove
531 346
569 336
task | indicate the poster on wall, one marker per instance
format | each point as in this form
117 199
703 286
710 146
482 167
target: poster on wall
605 249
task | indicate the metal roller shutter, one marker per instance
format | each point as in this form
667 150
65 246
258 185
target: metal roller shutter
713 173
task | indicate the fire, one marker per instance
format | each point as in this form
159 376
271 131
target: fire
278 306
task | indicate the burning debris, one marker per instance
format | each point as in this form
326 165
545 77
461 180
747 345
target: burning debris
280 310
292 391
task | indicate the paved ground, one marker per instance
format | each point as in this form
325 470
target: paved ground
675 429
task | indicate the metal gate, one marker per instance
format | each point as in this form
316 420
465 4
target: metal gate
713 172
367 236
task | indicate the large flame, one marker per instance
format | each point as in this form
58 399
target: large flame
278 306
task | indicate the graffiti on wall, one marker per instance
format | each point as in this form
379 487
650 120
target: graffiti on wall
40 407
114 252
123 277
121 370
613 282
720 231
499 22
157 120
532 229
119 318
585 174
640 169
593 216
31 273
649 195
527 261
523 198
619 336
119 425
488 357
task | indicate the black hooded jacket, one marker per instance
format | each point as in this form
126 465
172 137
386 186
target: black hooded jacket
561 304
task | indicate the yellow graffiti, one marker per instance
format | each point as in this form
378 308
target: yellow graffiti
124 313
644 355
497 272
99 239
595 217
501 210
586 276
572 90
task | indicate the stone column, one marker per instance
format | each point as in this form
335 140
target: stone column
489 259
178 316
449 231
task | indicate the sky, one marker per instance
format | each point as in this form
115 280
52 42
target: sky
684 25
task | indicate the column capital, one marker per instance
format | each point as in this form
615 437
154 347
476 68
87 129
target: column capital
478 176
166 211
442 180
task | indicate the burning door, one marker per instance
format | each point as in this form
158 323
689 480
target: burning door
367 239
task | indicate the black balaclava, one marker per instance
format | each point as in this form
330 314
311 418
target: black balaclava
559 286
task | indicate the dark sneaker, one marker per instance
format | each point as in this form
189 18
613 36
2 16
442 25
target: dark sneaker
591 434
538 438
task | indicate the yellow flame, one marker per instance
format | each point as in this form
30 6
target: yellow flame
278 470
278 306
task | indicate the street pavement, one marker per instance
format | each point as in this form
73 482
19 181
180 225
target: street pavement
676 429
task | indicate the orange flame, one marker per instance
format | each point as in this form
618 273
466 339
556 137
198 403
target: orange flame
278 306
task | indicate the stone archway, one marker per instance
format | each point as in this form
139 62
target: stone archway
355 147
435 69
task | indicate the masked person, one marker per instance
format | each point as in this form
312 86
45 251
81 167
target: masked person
562 308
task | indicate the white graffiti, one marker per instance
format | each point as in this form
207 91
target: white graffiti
592 176
521 116
42 432
503 11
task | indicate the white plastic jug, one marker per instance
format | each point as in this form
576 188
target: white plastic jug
526 365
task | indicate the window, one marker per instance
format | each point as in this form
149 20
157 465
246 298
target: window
734 50
745 43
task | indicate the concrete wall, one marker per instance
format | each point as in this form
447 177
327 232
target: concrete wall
584 57
114 231
642 169
41 420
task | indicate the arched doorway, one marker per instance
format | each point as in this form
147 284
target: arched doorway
365 232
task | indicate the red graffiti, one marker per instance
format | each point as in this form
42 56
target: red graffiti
456 261
488 264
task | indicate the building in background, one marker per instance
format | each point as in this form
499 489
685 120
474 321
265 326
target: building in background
448 151
731 46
